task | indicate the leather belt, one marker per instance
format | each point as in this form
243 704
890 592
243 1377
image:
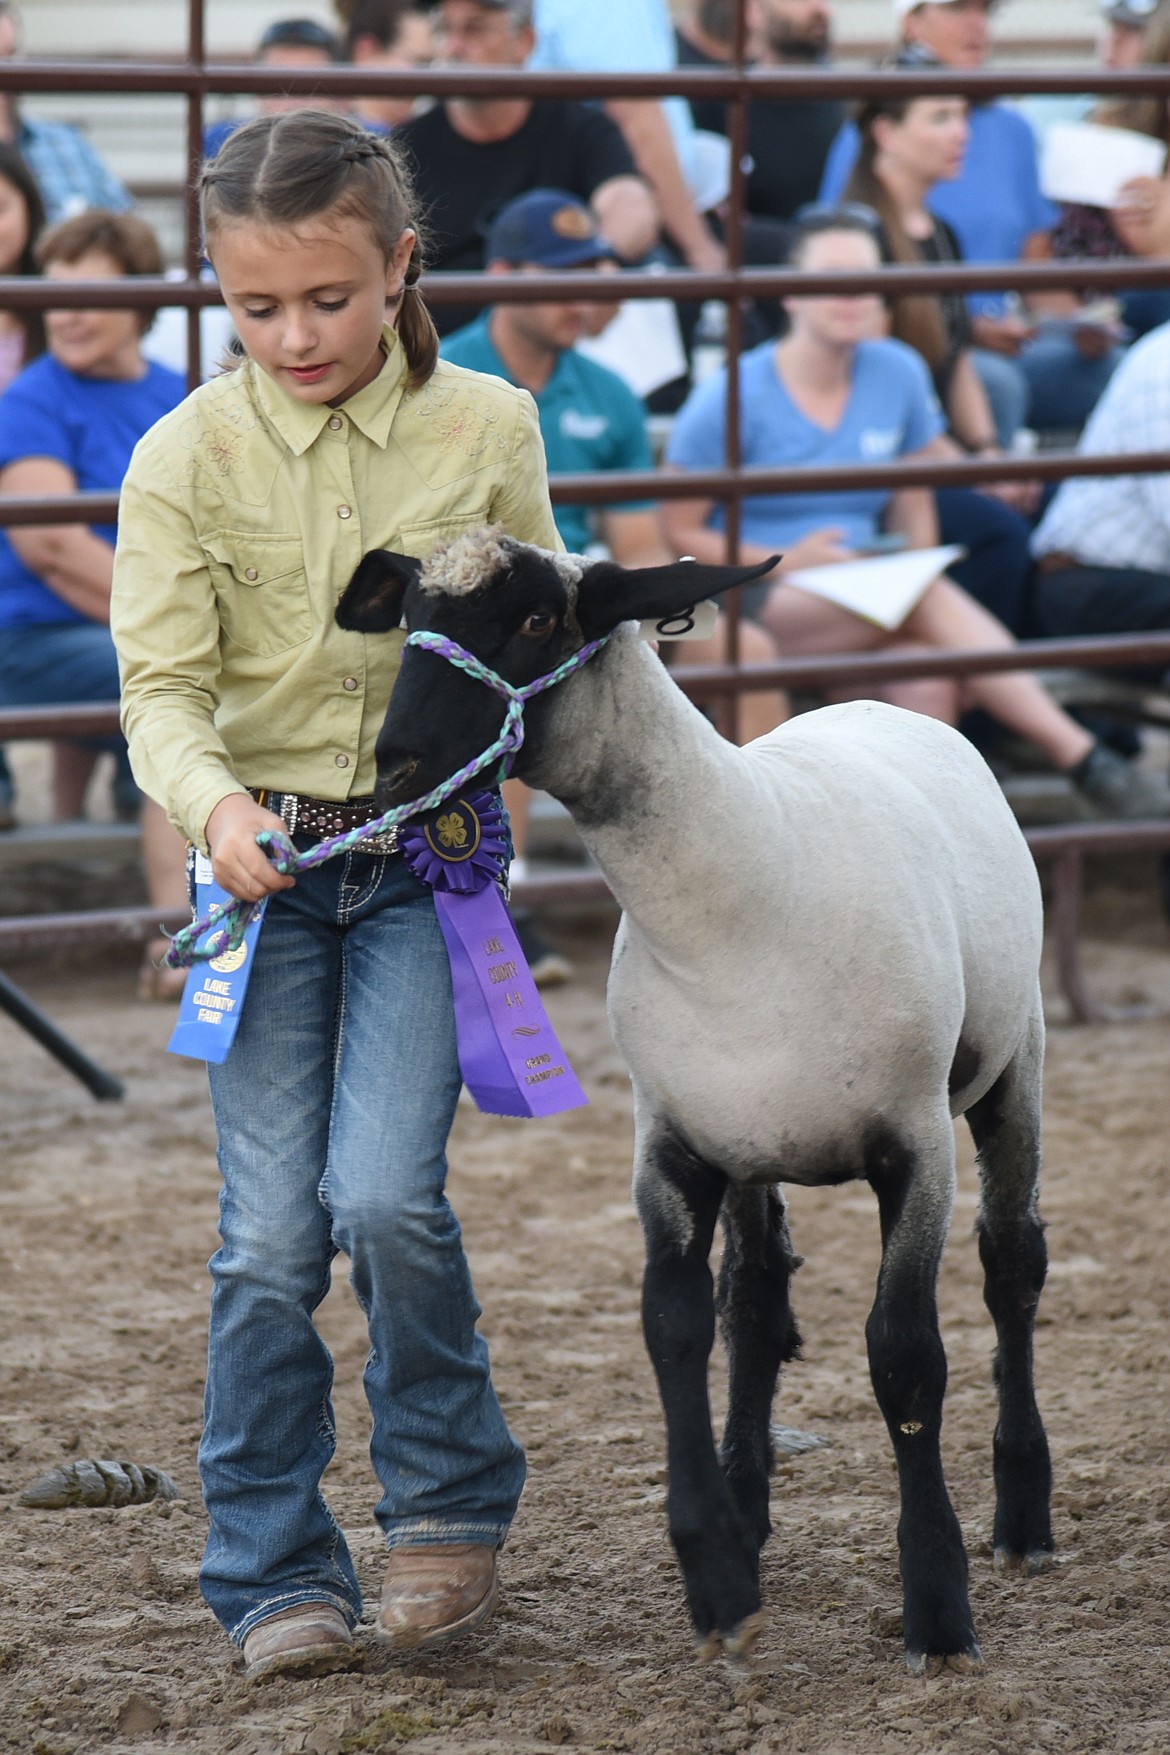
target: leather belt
1056 562
323 817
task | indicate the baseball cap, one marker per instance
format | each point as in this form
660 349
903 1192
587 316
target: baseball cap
1134 12
902 7
299 33
548 226
521 10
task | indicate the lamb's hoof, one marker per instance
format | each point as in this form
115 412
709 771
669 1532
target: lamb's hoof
1036 1560
735 1644
738 1643
933 1663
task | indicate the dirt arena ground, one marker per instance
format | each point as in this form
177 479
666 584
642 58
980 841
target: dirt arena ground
108 1216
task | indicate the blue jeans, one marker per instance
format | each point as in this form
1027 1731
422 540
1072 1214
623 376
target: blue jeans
998 566
61 664
1007 392
333 1109
1065 386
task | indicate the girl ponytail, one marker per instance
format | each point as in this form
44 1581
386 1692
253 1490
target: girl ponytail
415 325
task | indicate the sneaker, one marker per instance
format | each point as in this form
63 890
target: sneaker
1116 788
547 966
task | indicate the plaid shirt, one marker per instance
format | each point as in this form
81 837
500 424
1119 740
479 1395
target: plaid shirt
1120 520
69 173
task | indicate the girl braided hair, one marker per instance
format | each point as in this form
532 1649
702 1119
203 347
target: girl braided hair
286 169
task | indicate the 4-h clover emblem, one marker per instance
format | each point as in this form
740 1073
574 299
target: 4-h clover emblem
450 830
453 832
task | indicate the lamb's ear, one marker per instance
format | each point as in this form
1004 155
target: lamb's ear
609 594
372 601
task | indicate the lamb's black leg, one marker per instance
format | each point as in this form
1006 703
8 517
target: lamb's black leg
760 1334
914 1183
678 1198
1005 1125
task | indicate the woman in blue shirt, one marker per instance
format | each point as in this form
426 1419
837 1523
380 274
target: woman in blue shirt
70 421
829 393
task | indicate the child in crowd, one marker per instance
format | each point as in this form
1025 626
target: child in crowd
244 516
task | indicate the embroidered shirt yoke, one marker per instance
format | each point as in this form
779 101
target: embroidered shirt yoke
243 517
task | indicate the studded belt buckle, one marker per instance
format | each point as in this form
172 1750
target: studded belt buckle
385 842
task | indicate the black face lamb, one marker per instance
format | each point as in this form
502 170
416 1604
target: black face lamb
829 948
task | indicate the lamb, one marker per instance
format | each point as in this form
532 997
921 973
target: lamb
828 949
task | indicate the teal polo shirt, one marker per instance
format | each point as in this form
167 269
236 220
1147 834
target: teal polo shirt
589 420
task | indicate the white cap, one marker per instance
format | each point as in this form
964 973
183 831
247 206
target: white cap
902 7
1132 12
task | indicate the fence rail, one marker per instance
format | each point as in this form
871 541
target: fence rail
199 76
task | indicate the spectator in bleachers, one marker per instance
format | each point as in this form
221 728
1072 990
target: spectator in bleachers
69 173
788 138
704 34
1132 228
298 44
1103 546
589 420
70 421
22 219
906 148
473 155
829 393
22 335
994 206
637 36
382 35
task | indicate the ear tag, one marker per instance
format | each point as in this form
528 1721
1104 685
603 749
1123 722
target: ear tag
695 621
213 997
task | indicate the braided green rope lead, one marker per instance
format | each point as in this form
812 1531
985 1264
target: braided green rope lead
231 920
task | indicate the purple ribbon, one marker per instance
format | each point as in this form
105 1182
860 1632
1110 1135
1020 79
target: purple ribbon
509 1055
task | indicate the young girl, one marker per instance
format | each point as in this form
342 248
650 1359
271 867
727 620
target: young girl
830 394
243 516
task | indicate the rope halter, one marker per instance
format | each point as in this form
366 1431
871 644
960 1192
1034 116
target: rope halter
232 919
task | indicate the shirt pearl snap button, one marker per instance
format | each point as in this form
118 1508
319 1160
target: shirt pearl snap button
251 573
350 683
342 761
344 512
335 424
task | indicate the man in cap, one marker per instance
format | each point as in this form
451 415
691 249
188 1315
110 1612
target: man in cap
589 419
1124 31
472 155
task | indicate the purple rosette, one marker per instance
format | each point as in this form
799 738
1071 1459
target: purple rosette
461 847
509 1055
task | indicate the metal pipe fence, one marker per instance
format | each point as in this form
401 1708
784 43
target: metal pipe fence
198 76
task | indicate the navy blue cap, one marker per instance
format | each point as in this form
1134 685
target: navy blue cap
548 226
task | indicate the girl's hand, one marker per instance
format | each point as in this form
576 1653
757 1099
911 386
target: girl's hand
820 548
237 862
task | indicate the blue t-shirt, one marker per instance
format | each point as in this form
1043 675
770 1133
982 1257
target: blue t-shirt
994 203
589 419
89 424
892 410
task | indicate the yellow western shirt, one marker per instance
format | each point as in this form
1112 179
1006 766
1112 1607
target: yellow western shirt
243 516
